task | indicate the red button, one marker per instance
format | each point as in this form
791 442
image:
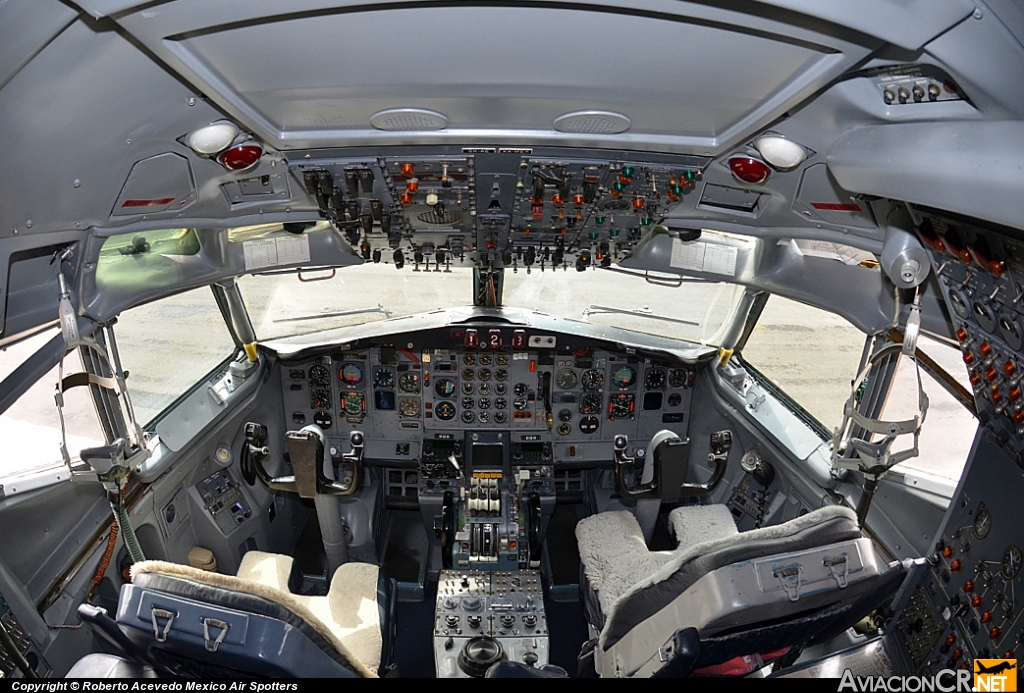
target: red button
990 374
961 335
996 395
1014 393
968 358
533 366
976 602
955 566
975 379
951 639
947 552
994 633
986 617
985 349
969 586
1009 368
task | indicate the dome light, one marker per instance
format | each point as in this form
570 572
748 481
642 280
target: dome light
241 157
213 138
749 170
781 153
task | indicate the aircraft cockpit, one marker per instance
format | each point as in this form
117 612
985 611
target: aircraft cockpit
460 341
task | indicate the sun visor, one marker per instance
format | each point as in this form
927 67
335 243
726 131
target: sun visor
136 267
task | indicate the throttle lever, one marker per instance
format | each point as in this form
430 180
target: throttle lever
353 457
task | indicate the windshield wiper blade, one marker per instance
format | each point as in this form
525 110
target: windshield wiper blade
339 314
644 312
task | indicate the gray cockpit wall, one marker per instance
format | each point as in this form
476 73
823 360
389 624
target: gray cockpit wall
96 100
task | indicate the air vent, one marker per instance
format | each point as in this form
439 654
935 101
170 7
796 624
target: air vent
399 119
724 197
592 122
615 205
439 218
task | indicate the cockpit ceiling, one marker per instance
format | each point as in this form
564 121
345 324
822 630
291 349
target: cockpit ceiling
674 76
330 73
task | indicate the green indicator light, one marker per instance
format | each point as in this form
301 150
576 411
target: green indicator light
593 235
627 171
645 221
618 186
614 233
677 189
599 220
690 175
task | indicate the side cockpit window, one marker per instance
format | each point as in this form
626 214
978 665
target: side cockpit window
30 428
169 345
810 354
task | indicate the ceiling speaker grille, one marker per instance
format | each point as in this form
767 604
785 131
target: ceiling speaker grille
397 119
592 123
440 218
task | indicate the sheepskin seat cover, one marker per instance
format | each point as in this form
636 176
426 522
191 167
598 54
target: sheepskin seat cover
695 524
348 617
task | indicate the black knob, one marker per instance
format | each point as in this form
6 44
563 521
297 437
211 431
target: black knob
356 438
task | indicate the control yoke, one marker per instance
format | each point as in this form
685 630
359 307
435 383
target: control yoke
670 456
306 448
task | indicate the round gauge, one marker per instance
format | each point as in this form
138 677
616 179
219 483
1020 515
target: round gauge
384 378
620 407
501 389
501 375
320 398
564 429
678 377
485 359
501 417
467 402
323 419
444 387
484 389
469 359
467 388
501 359
982 522
354 403
1011 333
468 416
467 373
675 399
520 404
483 403
623 377
520 389
593 380
1011 562
590 403
565 415
445 411
983 314
959 304
483 417
409 382
319 375
500 403
655 379
589 424
566 379
351 374
484 374
409 406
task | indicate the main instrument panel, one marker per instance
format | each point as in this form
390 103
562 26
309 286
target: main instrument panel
576 398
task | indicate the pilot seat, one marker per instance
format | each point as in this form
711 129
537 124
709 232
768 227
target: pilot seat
724 602
182 621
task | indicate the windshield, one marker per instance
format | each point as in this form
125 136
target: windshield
283 305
